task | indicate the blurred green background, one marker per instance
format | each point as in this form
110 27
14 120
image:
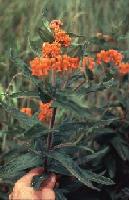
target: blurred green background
20 19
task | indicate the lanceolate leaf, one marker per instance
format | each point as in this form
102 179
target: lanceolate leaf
34 45
73 107
59 195
122 147
110 164
97 87
18 164
45 32
21 117
24 94
23 66
84 126
95 157
35 131
84 176
45 35
84 90
73 126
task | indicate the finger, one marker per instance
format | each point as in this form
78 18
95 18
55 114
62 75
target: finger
26 179
48 194
50 182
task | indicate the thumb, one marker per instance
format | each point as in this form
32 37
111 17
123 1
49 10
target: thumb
50 182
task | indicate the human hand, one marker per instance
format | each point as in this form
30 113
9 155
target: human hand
23 190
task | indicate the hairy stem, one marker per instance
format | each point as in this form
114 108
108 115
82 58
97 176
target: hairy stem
52 121
50 135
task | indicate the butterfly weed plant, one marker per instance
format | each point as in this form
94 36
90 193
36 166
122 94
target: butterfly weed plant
76 125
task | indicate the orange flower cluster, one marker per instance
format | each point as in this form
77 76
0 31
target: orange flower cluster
45 111
60 35
52 58
116 58
40 66
123 68
64 63
51 50
88 62
111 55
27 111
56 24
44 114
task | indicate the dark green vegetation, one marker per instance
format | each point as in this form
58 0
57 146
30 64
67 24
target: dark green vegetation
90 144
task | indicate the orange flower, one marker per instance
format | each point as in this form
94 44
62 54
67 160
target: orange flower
123 68
23 190
88 62
27 111
40 66
55 24
103 57
57 64
115 56
64 63
51 50
74 62
62 37
45 111
109 56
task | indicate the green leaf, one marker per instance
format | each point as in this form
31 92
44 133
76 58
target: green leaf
45 32
97 87
59 195
21 117
72 106
74 147
95 157
73 126
35 45
84 90
18 164
122 147
84 176
24 94
59 169
24 67
45 35
35 131
110 163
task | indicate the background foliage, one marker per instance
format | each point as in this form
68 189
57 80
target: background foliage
20 21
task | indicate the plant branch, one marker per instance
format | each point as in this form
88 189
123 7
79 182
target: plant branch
50 136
